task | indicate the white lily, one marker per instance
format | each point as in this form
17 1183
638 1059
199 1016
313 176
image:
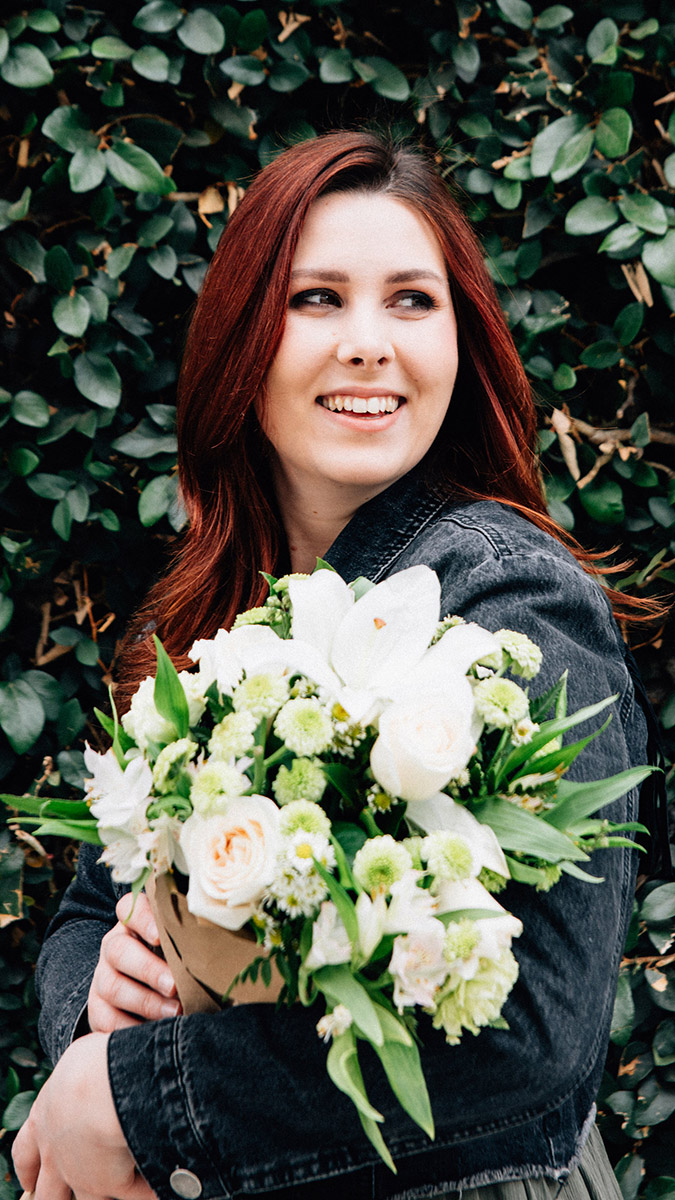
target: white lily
371 917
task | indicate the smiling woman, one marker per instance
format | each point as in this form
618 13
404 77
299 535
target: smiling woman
350 390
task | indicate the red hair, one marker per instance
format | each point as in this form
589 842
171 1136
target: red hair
485 448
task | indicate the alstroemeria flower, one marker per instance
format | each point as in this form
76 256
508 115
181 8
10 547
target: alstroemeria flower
495 932
442 812
116 796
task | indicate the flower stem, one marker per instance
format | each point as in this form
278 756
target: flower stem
369 823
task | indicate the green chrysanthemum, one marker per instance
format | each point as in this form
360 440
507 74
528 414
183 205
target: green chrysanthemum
233 736
170 762
491 880
303 815
461 939
525 656
303 780
380 862
260 695
448 855
216 783
472 1003
304 726
500 702
265 614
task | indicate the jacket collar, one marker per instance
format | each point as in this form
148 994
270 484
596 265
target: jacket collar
381 529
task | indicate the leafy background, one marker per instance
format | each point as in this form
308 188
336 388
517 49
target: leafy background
128 132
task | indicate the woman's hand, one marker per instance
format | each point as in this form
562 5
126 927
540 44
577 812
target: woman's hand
72 1141
130 981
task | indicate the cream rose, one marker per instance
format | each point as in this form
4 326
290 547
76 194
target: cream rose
231 859
423 743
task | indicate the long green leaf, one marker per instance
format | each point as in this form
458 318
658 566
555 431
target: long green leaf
80 831
549 730
517 829
563 757
374 1135
406 1079
343 1068
579 800
340 987
544 703
170 699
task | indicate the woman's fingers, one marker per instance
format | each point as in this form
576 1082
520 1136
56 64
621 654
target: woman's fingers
137 917
130 980
124 954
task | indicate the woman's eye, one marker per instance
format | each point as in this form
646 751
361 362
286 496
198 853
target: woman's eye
415 301
315 298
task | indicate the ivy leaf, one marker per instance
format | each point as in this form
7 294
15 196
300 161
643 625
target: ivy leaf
71 314
554 16
202 32
659 258
29 408
111 48
244 68
252 30
600 355
623 1014
98 380
603 502
67 126
336 66
591 215
156 499
602 42
549 142
18 1110
26 67
516 12
572 156
645 211
163 261
134 168
287 76
620 239
659 905
614 132
22 716
59 269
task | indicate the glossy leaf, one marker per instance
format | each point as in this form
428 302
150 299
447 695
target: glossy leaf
26 67
613 133
202 32
160 16
659 258
590 216
22 716
136 169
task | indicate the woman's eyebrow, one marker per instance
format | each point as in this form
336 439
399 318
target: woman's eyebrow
332 276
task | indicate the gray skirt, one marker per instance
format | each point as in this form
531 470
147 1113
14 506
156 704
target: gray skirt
592 1179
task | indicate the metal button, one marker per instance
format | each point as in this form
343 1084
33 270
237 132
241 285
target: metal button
185 1184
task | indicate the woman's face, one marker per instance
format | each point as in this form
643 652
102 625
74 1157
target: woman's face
367 362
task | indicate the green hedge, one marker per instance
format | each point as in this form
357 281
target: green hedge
128 136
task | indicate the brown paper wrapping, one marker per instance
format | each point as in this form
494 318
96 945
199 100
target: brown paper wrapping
204 958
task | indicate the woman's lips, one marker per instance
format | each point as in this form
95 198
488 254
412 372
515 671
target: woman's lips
373 406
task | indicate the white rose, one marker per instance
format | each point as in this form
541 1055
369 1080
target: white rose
425 742
231 859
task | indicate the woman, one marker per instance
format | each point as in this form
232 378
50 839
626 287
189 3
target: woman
350 391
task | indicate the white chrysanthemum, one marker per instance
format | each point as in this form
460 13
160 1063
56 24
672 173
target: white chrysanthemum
304 726
379 801
233 736
303 780
472 1003
500 702
449 855
523 731
525 655
170 762
270 929
303 816
298 895
261 695
214 784
334 1023
301 848
142 722
380 863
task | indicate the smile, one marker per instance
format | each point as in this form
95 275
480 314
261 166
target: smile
373 406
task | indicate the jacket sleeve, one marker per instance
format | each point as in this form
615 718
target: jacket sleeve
242 1098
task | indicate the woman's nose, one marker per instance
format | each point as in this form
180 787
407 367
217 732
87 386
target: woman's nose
364 341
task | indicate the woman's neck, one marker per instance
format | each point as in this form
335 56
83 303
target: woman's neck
313 517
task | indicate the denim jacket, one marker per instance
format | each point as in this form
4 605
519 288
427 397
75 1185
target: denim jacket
242 1100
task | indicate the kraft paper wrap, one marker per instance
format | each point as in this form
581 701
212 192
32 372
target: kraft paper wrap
204 958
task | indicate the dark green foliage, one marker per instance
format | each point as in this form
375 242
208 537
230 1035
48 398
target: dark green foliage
128 132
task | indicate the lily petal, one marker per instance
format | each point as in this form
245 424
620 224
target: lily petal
442 812
319 605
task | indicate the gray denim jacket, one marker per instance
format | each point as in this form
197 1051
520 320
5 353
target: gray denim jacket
242 1100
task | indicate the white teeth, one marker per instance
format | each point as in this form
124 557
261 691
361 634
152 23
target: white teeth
372 405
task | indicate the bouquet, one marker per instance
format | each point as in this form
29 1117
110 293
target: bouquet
344 784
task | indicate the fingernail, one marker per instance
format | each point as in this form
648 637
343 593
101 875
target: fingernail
170 1008
166 983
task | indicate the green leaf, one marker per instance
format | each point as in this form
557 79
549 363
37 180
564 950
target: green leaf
6 611
26 67
551 17
620 239
626 327
645 212
244 68
119 259
343 903
662 511
406 1079
111 48
591 215
152 63
202 32
145 440
340 987
564 378
663 1045
383 76
602 42
603 501
71 314
59 269
659 905
9 213
169 696
572 156
98 380
62 519
661 987
516 12
163 261
18 1110
600 355
67 126
508 193
517 829
659 258
579 800
86 169
252 30
287 76
614 132
549 141
343 1068
336 66
22 716
159 16
669 170
623 1014
644 29
136 169
156 499
28 408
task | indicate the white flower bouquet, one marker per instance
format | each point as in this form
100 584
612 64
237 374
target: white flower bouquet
347 781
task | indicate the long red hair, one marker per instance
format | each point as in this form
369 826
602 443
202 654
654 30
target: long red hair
485 448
